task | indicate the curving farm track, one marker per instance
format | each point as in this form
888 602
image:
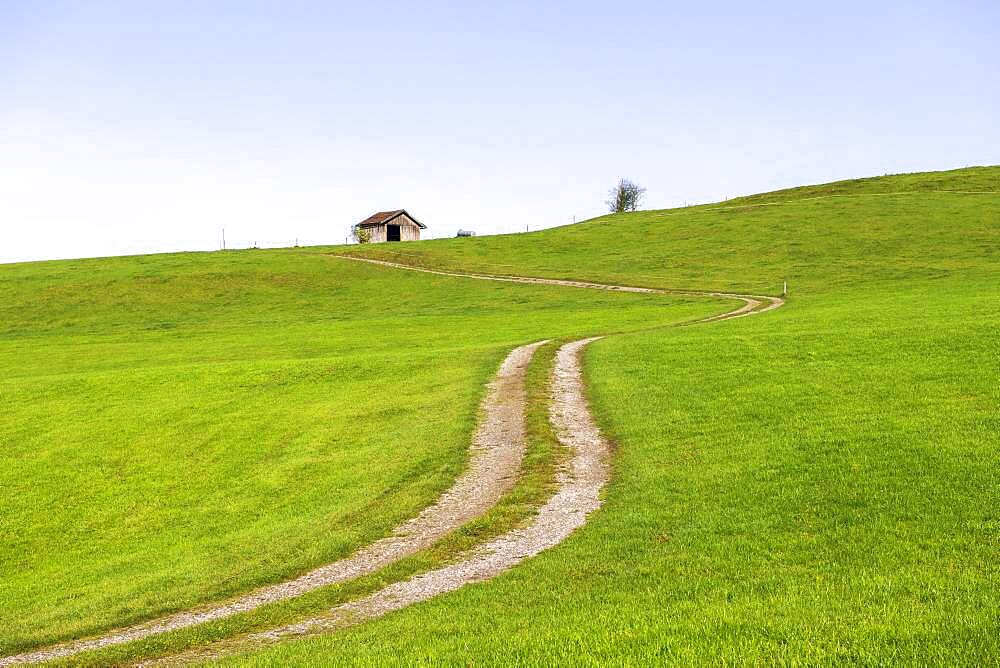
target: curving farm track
496 454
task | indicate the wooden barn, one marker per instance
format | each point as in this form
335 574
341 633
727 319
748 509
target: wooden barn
392 226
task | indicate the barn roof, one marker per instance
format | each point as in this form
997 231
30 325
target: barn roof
385 217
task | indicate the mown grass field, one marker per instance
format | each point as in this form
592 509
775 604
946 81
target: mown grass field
177 428
818 485
814 485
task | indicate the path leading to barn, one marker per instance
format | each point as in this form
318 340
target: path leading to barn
751 303
577 495
497 451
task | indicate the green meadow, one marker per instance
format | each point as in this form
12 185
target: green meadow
179 428
819 484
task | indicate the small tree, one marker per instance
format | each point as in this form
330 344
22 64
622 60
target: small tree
626 196
361 235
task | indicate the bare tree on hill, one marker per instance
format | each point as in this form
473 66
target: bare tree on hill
626 196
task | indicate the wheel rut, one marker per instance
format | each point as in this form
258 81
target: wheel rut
496 454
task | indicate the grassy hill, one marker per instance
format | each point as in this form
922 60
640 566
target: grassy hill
818 485
177 428
814 485
886 231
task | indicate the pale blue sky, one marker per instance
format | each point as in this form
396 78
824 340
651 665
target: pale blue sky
137 127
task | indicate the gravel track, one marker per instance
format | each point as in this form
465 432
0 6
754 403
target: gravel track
497 451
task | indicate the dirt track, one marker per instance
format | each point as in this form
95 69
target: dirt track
497 451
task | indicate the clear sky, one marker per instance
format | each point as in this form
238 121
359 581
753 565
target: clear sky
145 126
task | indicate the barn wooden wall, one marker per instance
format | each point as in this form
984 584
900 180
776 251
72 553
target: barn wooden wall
408 231
377 232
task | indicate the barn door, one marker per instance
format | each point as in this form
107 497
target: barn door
393 232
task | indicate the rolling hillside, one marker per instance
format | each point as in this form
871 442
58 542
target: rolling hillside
178 428
817 484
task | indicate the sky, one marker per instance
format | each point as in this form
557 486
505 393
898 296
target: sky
143 127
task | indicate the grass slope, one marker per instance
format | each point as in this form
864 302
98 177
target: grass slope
850 242
178 428
818 485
